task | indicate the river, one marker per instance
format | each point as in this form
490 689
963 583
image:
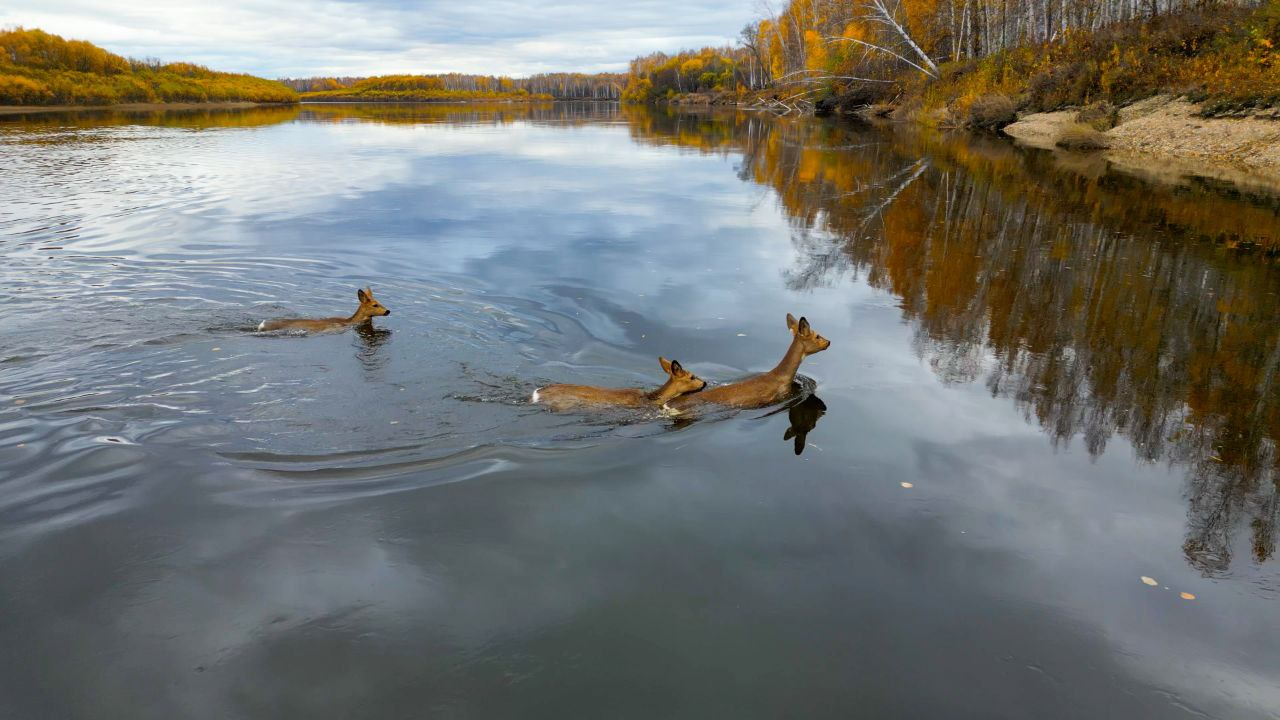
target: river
1035 475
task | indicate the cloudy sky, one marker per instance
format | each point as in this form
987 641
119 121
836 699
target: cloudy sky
276 38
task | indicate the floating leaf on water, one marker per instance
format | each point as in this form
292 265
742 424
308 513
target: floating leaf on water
19 401
907 485
1186 596
216 349
1149 581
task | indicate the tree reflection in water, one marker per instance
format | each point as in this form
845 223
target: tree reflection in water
1100 303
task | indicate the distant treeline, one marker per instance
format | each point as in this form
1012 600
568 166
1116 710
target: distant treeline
942 52
557 86
37 68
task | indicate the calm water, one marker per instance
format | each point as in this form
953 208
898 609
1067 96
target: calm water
1073 365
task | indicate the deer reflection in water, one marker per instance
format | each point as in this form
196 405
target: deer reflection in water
804 417
371 339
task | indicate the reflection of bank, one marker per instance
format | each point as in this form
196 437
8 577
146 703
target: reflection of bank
191 116
1099 303
461 113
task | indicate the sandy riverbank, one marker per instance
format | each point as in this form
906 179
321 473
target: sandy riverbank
132 107
1168 128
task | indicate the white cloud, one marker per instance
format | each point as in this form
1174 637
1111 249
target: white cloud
275 38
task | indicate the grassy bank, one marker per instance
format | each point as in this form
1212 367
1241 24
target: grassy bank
37 68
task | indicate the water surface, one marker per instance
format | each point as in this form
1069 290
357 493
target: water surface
1050 376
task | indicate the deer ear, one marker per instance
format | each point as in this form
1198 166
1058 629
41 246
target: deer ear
666 365
791 322
361 295
676 369
804 326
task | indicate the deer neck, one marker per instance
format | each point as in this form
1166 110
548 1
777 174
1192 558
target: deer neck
663 394
360 316
786 370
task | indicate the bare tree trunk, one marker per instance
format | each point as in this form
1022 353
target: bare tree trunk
887 17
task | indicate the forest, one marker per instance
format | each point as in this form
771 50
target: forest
934 54
38 68
459 86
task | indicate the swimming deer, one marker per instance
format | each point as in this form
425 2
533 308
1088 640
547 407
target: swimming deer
569 397
368 310
765 388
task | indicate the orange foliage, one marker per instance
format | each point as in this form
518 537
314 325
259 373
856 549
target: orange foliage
37 68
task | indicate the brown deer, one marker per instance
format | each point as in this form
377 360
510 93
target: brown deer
572 397
765 388
368 310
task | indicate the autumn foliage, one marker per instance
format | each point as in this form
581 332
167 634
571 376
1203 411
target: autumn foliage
662 76
460 86
1223 57
940 56
37 68
413 88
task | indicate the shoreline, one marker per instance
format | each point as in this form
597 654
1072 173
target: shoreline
136 107
1164 130
455 101
1169 129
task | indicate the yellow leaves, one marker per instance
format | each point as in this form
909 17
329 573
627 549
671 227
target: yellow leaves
856 31
815 50
19 90
39 68
1150 581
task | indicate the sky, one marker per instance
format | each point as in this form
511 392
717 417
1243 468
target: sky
275 38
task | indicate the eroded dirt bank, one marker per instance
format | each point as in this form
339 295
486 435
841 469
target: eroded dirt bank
1168 127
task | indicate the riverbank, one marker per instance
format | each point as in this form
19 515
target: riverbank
39 69
1165 136
134 107
1166 127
